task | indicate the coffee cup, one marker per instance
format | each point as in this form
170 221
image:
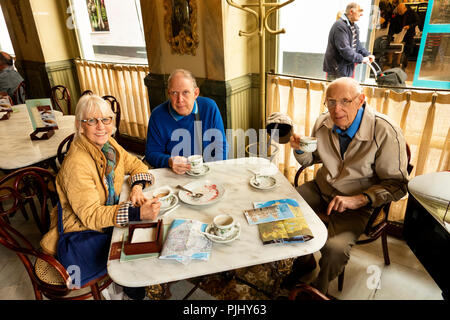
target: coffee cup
308 144
164 194
196 162
223 225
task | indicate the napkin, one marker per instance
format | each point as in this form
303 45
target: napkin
143 235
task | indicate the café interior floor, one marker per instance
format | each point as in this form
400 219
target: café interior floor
404 279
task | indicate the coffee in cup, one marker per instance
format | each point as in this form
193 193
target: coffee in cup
164 194
196 162
223 225
308 144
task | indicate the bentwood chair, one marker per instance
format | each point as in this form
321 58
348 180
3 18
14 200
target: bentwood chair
64 147
61 95
19 95
48 277
303 291
115 106
86 92
376 226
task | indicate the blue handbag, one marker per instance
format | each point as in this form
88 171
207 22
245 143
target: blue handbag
86 252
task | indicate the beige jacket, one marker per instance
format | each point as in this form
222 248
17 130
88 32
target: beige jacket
375 162
82 189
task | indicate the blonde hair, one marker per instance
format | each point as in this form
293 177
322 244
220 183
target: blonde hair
88 105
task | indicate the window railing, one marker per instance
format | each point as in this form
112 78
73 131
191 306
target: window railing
423 116
126 83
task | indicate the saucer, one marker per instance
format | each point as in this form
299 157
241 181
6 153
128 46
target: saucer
205 170
173 203
263 182
234 235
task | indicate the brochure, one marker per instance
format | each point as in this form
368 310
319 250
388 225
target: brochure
41 113
268 212
285 231
185 243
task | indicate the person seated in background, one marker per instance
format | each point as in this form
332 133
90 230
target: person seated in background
10 79
405 19
364 165
91 177
184 125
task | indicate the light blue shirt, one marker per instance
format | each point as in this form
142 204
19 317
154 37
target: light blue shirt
178 117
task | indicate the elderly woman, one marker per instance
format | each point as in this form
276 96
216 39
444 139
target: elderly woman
91 177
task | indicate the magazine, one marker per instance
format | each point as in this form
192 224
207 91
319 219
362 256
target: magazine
5 104
184 242
41 113
285 231
268 213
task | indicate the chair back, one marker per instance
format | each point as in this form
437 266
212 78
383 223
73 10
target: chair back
115 106
61 95
89 92
63 148
49 278
19 95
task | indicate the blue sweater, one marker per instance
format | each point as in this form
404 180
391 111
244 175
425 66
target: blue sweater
171 135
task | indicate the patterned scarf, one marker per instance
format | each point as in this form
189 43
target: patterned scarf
110 155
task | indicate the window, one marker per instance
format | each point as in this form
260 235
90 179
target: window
110 31
307 23
5 41
433 62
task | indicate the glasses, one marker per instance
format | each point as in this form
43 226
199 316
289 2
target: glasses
332 103
176 94
94 121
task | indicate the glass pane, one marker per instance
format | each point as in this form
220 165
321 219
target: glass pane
436 58
110 31
5 41
440 13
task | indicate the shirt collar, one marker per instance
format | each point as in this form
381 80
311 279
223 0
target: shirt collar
351 131
178 117
345 18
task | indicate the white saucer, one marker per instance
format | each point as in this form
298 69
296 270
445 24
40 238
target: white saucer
263 182
173 203
205 170
236 233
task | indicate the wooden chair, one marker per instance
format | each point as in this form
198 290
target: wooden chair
115 106
59 94
86 92
48 277
303 291
19 95
64 147
376 226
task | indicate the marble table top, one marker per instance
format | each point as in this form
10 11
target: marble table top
239 195
17 148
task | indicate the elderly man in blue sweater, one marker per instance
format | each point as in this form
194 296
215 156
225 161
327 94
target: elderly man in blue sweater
184 125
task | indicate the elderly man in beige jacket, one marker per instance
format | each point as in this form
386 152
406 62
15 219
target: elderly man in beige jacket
364 166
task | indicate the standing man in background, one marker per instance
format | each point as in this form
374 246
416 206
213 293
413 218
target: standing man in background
344 48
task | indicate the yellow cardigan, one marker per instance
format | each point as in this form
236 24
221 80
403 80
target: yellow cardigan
82 189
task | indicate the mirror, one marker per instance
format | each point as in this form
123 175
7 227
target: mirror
180 22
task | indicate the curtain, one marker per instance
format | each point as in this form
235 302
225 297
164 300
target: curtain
423 116
126 84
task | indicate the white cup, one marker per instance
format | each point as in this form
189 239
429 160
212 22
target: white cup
164 194
223 225
308 144
196 162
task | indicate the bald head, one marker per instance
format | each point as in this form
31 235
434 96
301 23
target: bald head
5 59
347 84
